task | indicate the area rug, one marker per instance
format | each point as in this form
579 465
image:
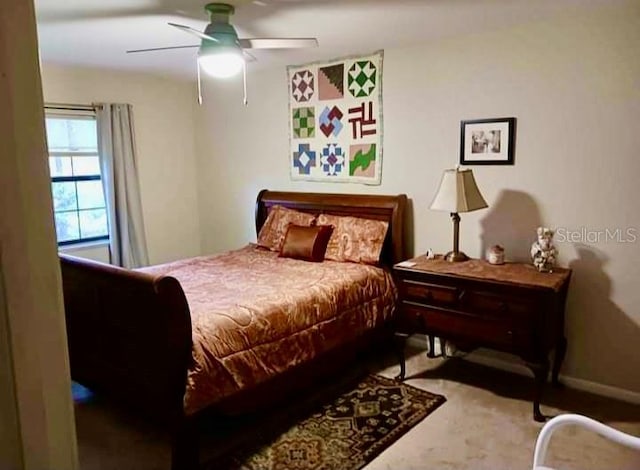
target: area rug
346 433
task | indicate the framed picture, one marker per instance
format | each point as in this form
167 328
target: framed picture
487 141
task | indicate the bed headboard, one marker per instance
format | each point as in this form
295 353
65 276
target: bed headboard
389 208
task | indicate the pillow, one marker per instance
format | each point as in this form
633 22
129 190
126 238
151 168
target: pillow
275 227
306 243
354 239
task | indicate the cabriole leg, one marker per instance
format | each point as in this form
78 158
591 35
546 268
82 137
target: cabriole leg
561 350
541 373
399 344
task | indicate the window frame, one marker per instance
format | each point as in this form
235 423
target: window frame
78 114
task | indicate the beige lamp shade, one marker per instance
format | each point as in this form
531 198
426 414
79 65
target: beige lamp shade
458 192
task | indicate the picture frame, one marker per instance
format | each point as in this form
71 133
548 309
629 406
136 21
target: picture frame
487 141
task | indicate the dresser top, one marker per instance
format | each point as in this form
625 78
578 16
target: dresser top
513 273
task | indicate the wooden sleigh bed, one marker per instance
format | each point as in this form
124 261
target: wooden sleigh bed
130 332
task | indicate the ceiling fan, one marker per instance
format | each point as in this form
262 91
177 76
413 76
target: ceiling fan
221 53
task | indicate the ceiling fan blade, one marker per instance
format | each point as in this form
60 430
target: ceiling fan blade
195 32
161 49
277 43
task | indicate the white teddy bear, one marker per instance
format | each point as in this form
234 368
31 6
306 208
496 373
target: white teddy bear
543 253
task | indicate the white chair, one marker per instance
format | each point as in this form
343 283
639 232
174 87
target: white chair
563 420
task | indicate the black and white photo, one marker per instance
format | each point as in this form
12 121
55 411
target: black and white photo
487 141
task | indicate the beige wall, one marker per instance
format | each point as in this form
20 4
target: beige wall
573 85
163 120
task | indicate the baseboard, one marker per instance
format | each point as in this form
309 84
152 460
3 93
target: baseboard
509 366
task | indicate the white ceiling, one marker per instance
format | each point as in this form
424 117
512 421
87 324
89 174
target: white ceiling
96 33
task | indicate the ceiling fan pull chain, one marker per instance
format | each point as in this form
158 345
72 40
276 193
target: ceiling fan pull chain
244 81
199 85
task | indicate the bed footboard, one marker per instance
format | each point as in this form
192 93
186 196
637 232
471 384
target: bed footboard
129 335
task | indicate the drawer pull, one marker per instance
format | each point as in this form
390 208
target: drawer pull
461 295
510 333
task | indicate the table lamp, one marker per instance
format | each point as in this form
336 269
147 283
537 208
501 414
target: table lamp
458 192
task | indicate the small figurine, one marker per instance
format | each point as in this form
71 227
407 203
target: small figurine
495 255
543 253
430 254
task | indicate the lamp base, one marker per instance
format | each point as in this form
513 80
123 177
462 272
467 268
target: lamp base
455 256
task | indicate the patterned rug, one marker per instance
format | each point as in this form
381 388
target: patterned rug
344 434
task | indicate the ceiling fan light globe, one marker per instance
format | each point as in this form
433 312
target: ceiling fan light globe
221 64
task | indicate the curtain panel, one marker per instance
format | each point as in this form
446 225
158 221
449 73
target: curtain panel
116 144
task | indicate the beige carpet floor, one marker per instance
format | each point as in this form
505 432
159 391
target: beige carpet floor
486 423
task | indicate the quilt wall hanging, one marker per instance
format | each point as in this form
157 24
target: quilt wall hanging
335 120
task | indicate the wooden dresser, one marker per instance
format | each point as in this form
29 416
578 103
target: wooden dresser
511 308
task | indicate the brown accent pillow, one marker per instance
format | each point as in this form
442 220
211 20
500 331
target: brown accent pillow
275 227
306 243
354 239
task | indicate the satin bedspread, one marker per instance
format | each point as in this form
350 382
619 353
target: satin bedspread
255 315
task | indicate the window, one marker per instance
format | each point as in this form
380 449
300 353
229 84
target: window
78 198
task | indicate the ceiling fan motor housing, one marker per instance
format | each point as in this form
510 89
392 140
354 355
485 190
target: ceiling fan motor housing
219 9
220 28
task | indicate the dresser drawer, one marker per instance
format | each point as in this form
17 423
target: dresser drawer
410 319
485 303
428 293
454 324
